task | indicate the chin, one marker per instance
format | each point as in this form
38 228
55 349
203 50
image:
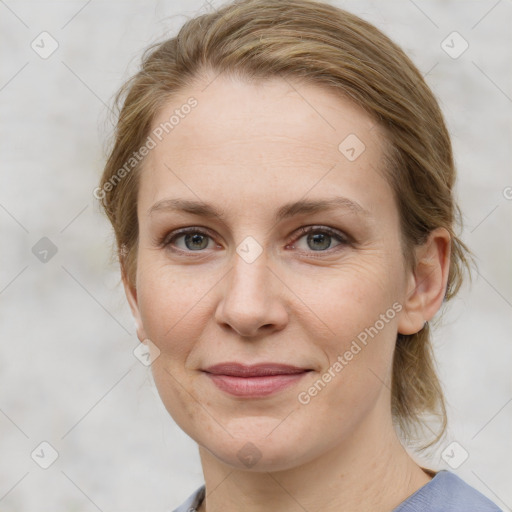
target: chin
256 457
252 449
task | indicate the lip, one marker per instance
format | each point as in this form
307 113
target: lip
254 380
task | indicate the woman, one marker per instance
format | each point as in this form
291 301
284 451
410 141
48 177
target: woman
280 187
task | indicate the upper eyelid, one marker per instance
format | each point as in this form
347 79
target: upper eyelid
325 229
176 233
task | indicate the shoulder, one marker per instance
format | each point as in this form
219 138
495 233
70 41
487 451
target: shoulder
192 502
446 492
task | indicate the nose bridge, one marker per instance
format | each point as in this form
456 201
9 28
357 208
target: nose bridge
250 274
250 299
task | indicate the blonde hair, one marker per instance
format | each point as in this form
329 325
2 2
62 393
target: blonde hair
327 46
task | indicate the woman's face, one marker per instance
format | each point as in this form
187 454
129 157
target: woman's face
248 286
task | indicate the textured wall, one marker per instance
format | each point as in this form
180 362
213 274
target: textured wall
68 376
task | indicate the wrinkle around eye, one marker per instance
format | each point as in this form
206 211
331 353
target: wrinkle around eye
333 252
347 230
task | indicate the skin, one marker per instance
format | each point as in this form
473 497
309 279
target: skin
249 148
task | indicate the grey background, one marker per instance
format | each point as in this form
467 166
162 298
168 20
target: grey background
67 372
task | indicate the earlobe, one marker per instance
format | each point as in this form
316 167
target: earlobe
426 285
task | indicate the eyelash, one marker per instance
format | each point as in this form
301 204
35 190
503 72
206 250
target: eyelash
168 239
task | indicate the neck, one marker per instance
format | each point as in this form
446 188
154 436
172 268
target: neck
370 470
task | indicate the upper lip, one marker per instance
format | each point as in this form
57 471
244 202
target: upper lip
256 370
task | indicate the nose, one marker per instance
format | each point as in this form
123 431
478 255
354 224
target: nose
252 301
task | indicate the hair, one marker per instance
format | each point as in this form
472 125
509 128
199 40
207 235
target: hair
326 46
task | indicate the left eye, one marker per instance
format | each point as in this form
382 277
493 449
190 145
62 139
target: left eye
319 240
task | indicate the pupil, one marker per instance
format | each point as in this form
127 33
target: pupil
319 237
196 239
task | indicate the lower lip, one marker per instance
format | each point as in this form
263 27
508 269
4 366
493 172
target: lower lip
254 386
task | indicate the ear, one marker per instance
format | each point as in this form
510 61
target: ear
131 294
426 283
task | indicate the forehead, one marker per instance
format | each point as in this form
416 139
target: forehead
230 109
262 137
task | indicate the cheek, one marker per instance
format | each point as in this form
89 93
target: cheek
170 302
333 306
351 298
172 306
359 309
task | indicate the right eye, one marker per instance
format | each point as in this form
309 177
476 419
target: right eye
188 240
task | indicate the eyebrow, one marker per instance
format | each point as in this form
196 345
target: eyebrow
288 210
